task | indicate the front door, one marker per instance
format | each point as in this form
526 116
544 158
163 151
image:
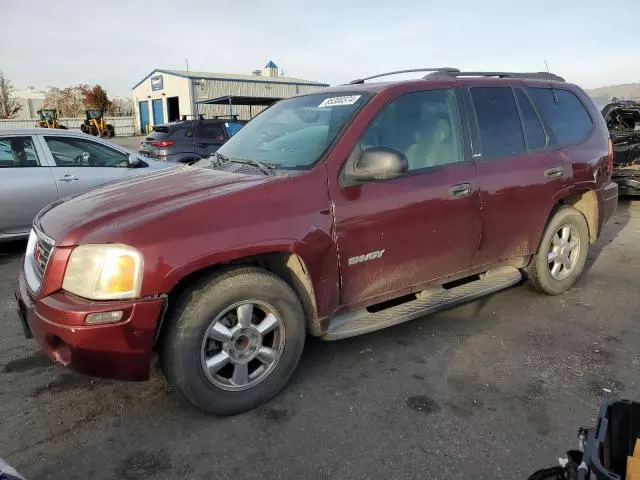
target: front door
394 236
82 164
158 115
26 183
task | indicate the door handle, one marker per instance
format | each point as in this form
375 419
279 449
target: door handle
460 190
554 172
68 178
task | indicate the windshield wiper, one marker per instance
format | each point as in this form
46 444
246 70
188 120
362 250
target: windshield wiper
265 168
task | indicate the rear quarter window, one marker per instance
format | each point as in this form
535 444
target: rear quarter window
566 118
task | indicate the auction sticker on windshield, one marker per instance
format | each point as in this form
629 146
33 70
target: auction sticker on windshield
337 101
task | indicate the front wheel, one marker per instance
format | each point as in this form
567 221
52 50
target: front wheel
562 253
233 340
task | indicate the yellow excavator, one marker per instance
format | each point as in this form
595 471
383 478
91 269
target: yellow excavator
95 124
49 119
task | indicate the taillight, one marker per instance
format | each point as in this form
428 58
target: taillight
162 143
610 158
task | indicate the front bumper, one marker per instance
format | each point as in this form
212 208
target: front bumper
117 350
628 181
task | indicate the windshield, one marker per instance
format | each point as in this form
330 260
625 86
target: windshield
294 133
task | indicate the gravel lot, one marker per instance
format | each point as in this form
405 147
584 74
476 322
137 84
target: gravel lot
492 389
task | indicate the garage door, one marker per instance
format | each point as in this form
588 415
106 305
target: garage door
158 117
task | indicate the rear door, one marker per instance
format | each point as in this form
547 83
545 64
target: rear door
26 183
209 136
395 235
81 164
521 172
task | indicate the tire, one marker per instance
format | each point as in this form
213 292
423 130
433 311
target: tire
186 342
62 127
83 128
93 130
542 272
111 130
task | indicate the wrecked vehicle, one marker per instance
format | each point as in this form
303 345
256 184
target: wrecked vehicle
623 121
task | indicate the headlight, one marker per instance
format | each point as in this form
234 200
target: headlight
104 272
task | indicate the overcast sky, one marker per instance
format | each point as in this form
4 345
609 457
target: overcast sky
117 42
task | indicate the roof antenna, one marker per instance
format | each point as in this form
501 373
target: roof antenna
553 90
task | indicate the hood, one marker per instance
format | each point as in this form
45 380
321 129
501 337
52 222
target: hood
125 205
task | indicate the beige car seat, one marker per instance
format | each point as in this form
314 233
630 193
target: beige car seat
433 147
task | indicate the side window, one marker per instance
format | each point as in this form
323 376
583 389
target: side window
18 152
233 128
533 131
425 126
211 132
76 152
563 113
498 121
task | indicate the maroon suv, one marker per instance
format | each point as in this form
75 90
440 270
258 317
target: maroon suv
335 213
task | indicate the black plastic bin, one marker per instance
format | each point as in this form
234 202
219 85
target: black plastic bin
613 439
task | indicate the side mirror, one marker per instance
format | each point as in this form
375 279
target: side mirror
133 161
378 164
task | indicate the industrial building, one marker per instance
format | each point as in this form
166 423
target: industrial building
168 95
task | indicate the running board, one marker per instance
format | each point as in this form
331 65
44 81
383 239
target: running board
428 301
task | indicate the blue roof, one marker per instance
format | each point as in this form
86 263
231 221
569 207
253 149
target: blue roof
271 65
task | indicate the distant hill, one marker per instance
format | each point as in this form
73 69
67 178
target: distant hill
603 95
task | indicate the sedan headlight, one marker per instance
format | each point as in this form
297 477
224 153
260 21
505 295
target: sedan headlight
104 272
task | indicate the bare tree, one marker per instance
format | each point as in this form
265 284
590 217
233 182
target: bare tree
68 101
121 107
9 106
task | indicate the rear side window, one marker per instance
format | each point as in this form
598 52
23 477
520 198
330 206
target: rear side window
211 132
533 131
18 152
498 121
563 113
233 128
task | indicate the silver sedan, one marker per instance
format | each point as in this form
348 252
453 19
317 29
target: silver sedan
39 166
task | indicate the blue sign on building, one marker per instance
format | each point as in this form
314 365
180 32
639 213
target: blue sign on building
156 83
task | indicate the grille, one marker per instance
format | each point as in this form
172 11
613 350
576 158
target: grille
39 250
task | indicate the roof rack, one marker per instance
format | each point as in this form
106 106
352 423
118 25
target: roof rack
435 70
218 117
529 75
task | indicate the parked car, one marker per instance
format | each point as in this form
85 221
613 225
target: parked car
337 213
188 141
38 167
623 122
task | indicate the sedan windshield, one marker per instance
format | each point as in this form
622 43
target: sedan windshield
294 133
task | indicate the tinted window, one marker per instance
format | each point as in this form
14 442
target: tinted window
76 152
422 125
17 152
233 127
211 132
533 131
498 121
564 115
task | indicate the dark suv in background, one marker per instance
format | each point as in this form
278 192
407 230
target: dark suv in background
189 140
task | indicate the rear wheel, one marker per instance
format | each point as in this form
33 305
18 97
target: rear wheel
233 340
111 130
93 130
562 253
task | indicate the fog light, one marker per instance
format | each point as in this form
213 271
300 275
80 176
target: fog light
104 317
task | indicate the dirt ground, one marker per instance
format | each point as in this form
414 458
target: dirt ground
493 389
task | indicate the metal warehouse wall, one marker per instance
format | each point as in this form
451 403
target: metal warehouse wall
220 88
